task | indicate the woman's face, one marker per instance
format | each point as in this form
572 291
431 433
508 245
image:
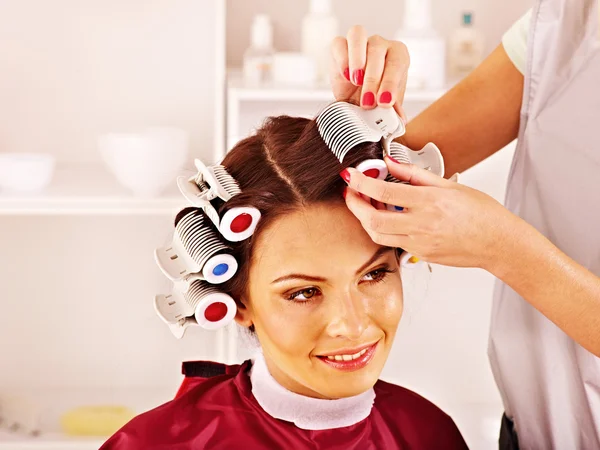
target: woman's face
321 291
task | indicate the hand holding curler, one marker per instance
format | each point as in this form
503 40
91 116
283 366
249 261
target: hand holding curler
442 222
369 71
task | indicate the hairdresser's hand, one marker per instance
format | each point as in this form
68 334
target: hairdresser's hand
369 71
443 222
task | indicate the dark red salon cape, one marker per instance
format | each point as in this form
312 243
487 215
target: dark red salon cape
215 409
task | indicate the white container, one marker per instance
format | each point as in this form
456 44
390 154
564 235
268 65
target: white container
465 48
426 47
26 172
258 57
319 27
148 161
293 69
427 52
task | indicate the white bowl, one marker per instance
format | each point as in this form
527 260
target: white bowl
26 172
145 162
293 69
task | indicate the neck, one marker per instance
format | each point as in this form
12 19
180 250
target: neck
306 412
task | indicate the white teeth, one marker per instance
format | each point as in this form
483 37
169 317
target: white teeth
347 357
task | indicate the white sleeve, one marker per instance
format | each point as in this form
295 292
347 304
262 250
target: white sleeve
515 42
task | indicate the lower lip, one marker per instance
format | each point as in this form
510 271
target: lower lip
355 364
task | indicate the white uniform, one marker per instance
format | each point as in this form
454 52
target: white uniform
549 384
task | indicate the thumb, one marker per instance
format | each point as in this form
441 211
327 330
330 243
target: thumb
413 174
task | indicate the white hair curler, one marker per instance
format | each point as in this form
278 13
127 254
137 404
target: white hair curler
409 261
203 305
374 168
214 182
428 158
343 126
196 249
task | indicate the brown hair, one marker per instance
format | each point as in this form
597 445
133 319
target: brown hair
286 165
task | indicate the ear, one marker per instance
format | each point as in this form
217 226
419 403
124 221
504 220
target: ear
243 315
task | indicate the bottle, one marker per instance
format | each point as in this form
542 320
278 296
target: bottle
258 58
319 28
466 47
427 48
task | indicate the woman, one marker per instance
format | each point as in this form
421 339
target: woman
324 302
540 86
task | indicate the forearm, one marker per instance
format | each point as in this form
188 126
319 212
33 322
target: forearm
476 118
565 292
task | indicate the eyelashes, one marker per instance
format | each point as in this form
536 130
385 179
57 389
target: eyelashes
307 295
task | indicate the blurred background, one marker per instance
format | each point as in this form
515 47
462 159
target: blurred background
102 104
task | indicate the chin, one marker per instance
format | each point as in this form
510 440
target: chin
350 384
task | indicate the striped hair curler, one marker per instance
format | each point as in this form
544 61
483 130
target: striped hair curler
196 249
203 305
214 182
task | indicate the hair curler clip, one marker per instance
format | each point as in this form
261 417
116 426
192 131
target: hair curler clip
428 158
196 252
343 126
203 305
213 182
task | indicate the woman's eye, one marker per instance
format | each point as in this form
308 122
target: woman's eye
303 295
377 275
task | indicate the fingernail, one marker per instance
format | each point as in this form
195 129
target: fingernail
368 99
345 174
392 159
345 192
347 74
358 77
385 97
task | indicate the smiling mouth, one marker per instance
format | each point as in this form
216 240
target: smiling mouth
350 360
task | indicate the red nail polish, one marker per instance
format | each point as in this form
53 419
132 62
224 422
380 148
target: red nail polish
347 74
358 77
368 99
392 159
345 174
385 97
345 192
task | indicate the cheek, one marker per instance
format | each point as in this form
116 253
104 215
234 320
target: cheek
387 307
286 328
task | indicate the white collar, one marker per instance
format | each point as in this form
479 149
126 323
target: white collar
306 412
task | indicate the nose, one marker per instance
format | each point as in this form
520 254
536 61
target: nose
349 316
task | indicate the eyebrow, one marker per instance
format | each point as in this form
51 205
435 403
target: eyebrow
298 276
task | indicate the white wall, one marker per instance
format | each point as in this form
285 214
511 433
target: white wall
71 69
382 17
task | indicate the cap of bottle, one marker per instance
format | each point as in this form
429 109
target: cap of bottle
320 7
261 34
468 18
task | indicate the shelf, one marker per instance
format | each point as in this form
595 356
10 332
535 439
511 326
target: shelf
88 190
9 441
321 93
50 404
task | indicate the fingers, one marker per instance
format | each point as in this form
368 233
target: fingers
357 54
390 193
384 227
393 81
376 221
339 55
377 49
414 175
